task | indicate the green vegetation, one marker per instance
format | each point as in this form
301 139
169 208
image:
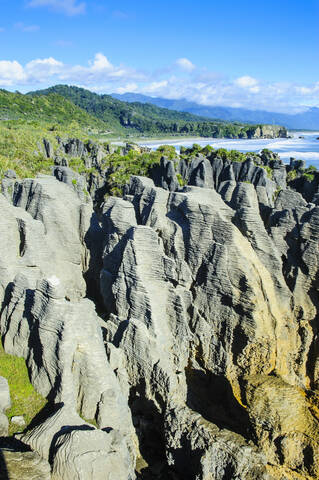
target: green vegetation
180 179
122 167
19 149
309 176
70 111
291 175
307 173
24 399
145 118
269 171
276 193
25 121
52 110
168 151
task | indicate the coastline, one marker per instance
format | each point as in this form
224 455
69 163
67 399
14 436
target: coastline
306 148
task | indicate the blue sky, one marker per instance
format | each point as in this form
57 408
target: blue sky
251 54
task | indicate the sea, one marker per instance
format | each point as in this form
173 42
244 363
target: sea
301 145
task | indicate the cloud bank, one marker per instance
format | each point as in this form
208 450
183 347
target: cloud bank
181 80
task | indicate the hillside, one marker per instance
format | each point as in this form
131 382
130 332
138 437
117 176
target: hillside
49 110
139 118
309 119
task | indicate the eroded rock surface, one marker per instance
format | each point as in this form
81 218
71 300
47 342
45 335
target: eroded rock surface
202 361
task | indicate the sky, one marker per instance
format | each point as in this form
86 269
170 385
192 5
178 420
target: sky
252 54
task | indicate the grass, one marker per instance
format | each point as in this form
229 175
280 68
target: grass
21 145
24 399
269 171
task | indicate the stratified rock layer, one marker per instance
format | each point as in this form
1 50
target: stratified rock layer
203 361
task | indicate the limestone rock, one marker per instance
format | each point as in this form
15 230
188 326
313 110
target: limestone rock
76 449
5 403
18 420
206 339
4 425
201 306
23 465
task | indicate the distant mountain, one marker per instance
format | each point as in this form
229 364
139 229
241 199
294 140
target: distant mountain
305 120
146 119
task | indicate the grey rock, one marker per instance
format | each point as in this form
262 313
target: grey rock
4 425
192 292
164 175
23 465
297 164
78 450
48 148
18 420
10 174
207 331
74 180
5 401
91 455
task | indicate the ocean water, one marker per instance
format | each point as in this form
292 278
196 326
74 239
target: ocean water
306 148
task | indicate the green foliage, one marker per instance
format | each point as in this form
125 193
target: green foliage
276 193
144 118
268 170
235 156
21 147
24 399
309 173
122 167
291 175
168 151
207 150
53 110
309 176
180 179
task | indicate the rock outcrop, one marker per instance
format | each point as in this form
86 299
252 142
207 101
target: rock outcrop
5 403
180 321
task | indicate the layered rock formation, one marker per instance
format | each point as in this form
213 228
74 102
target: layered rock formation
202 361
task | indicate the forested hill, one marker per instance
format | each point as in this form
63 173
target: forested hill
51 109
140 118
307 119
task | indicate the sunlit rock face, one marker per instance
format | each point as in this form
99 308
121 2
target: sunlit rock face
202 361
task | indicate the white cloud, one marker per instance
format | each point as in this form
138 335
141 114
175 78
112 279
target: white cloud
69 7
309 90
41 69
246 82
200 86
101 63
185 64
26 28
99 71
158 87
11 73
129 87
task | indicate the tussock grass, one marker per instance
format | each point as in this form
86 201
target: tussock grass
24 399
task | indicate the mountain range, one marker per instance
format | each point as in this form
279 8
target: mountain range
309 119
